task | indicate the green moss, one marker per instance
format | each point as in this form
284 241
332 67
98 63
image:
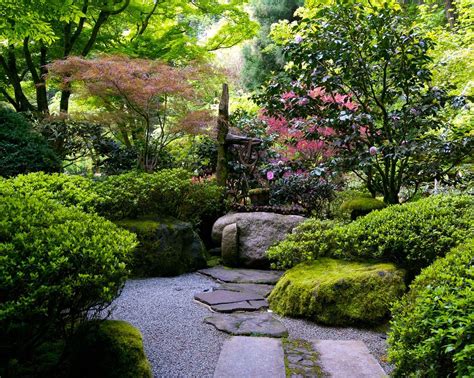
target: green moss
338 292
109 349
362 206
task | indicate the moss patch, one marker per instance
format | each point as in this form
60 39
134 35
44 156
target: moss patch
301 359
361 206
337 292
109 349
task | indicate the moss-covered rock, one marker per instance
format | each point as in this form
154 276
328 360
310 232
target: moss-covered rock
108 349
167 247
337 292
361 206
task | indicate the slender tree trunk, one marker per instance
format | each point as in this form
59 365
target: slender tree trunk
450 10
222 131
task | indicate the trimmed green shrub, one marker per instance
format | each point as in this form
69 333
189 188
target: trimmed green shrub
168 192
310 240
432 331
22 150
361 206
69 190
167 247
110 349
58 266
337 292
411 235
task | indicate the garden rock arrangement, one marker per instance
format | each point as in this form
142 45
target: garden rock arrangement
167 247
245 237
336 292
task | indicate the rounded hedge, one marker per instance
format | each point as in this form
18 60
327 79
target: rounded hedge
432 331
58 266
23 150
361 206
411 235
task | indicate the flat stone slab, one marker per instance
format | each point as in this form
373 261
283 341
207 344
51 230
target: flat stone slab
256 357
347 358
241 306
260 289
243 275
226 296
260 324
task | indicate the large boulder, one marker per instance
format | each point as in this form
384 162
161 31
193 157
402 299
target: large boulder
336 292
257 231
167 247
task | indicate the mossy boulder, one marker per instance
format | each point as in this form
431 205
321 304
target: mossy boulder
336 292
108 349
167 247
361 206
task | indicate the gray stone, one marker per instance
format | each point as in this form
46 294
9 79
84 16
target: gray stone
167 247
230 245
261 324
224 296
257 232
255 357
294 358
243 275
260 289
234 307
347 358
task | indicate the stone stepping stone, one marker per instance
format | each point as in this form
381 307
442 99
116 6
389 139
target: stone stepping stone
347 358
225 296
256 357
243 275
261 324
240 306
260 289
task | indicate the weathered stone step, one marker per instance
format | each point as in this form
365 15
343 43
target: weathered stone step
347 358
252 276
256 357
231 301
256 324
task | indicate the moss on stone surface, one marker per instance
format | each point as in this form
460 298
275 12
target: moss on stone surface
362 206
337 292
109 349
167 247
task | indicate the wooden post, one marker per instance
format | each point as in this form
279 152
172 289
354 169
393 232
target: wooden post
222 131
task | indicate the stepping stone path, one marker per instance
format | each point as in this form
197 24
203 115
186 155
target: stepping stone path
242 293
248 324
347 358
254 357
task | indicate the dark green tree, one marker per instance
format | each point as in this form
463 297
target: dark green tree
262 56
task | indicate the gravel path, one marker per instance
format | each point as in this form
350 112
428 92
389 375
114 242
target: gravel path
179 344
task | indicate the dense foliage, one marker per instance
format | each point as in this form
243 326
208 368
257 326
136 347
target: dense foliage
433 325
23 150
358 79
59 266
411 235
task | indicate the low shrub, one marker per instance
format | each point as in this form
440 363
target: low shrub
109 349
58 266
358 207
337 292
432 329
411 235
69 190
23 150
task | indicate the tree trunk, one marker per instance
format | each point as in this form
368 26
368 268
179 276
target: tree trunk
450 11
222 131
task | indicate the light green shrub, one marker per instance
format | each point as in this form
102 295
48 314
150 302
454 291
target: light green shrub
361 206
432 331
58 266
411 235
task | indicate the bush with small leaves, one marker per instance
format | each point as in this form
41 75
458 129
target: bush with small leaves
432 330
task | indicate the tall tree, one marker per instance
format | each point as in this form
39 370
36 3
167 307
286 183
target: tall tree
34 33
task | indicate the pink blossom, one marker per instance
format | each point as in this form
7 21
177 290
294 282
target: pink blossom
339 98
303 101
288 96
316 92
373 150
351 105
270 175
